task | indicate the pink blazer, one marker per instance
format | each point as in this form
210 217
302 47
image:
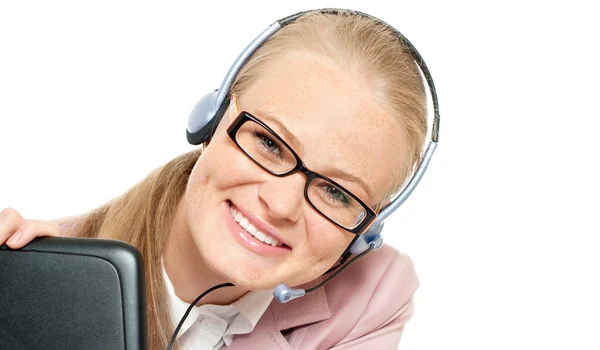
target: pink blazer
365 307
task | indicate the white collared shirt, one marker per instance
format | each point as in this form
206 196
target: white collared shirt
209 327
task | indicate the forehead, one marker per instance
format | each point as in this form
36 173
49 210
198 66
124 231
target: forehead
335 116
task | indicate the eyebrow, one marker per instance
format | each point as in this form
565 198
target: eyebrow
341 173
296 144
287 134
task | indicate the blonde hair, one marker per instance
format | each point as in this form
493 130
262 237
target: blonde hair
143 215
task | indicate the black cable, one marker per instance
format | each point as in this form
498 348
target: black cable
338 271
343 259
189 309
187 312
333 268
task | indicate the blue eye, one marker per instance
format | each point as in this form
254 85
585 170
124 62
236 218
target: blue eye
268 144
336 194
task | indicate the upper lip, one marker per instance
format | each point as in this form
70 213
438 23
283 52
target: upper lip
261 225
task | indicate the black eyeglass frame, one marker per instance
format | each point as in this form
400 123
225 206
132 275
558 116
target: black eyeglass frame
244 117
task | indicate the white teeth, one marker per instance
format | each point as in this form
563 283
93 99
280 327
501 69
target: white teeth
261 236
268 240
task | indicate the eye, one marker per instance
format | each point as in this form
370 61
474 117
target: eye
335 194
268 144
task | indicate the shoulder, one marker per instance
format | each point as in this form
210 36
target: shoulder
375 288
365 306
369 303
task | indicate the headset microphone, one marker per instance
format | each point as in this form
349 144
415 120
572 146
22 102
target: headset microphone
283 293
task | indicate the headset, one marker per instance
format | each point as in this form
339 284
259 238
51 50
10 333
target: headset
208 111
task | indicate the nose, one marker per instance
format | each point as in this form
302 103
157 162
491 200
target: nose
283 196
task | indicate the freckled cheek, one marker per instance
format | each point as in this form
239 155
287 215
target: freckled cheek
207 176
323 250
325 241
250 271
202 196
225 166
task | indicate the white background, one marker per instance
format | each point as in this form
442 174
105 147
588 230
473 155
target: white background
503 229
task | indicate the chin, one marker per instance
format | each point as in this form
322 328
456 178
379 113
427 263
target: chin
242 272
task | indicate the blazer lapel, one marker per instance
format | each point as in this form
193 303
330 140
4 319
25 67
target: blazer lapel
313 307
265 335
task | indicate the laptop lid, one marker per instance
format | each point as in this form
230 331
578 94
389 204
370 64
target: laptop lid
72 293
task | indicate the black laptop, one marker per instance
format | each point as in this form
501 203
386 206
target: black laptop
72 293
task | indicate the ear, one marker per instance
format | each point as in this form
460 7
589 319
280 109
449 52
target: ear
234 108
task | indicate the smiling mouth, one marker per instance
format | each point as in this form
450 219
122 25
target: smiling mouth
252 230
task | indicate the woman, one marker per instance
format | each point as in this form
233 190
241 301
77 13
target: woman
341 92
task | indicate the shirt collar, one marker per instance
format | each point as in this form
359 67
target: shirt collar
251 307
241 316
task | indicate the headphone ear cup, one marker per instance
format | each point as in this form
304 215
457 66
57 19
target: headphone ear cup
204 118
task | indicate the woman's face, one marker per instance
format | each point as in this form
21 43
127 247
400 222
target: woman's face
342 132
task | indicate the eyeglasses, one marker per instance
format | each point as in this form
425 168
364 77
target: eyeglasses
269 151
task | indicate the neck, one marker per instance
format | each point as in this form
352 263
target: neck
187 270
